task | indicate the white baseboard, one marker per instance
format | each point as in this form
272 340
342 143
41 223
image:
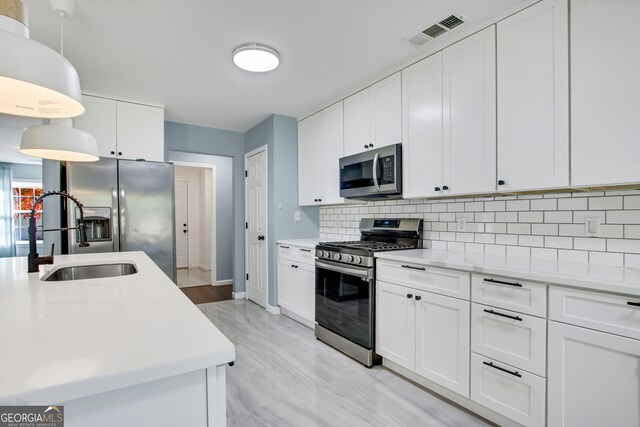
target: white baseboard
273 310
202 267
237 295
223 282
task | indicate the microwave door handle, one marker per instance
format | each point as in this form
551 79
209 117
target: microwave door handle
375 171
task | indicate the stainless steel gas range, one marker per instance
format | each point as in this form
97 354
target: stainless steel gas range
345 284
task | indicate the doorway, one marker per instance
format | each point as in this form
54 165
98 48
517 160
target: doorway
195 225
256 237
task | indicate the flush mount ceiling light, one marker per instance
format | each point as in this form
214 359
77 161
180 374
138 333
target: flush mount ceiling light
58 140
35 81
256 57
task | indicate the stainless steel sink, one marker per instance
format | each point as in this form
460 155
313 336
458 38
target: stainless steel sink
80 272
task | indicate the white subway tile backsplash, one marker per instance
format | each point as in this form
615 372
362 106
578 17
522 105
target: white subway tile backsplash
590 244
519 251
495 228
506 217
518 205
558 217
506 239
631 246
632 202
632 261
623 217
558 242
606 258
494 206
544 205
573 204
575 256
519 228
540 253
605 203
517 225
530 216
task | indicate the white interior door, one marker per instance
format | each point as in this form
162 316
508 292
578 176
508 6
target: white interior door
182 224
256 230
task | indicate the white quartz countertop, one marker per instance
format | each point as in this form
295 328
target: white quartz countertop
303 243
588 276
66 340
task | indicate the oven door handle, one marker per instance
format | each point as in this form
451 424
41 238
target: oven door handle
364 272
375 171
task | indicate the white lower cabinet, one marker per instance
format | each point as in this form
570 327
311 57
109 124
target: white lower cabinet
510 337
509 391
425 333
594 378
296 283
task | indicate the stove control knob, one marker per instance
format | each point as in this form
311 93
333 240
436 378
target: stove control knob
358 260
320 254
337 257
349 258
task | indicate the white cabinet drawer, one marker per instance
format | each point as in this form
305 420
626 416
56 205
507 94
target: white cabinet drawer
506 390
512 294
432 279
512 338
604 312
296 253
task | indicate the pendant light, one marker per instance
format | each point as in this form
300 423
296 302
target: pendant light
256 57
35 81
57 139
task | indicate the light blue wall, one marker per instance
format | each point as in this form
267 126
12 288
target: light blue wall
224 206
23 171
280 135
185 138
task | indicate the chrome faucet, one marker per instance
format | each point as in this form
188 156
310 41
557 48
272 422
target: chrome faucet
35 261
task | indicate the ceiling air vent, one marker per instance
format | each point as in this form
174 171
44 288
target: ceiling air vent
436 30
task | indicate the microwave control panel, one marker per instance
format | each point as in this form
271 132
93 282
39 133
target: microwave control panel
388 170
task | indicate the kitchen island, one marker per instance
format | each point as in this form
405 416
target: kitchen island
127 350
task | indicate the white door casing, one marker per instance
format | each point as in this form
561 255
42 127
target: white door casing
182 224
256 229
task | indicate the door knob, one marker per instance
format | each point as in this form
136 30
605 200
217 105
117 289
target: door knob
260 237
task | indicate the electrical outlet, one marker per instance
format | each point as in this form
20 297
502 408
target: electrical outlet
462 224
592 227
296 215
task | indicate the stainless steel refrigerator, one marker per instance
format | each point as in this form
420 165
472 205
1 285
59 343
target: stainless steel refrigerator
128 206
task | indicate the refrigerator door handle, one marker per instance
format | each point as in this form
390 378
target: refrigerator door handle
115 241
123 220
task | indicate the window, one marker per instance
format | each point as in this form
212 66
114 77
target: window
24 195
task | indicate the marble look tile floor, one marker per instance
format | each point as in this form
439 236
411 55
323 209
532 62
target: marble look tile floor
188 277
283 376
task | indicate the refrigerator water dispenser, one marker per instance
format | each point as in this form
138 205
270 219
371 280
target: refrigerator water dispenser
98 221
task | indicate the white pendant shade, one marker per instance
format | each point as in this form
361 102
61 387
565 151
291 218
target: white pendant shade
256 58
36 81
59 142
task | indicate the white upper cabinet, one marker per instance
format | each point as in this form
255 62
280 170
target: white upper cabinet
605 94
308 165
124 130
100 119
422 128
372 117
320 146
533 98
140 132
469 114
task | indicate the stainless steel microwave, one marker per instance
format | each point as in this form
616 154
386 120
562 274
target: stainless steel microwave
374 174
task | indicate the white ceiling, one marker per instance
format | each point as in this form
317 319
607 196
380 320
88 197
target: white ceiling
178 53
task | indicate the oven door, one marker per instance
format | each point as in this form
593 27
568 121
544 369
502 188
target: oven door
344 301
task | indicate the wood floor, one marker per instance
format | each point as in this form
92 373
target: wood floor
207 293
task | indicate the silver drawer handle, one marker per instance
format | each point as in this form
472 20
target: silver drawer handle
414 268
